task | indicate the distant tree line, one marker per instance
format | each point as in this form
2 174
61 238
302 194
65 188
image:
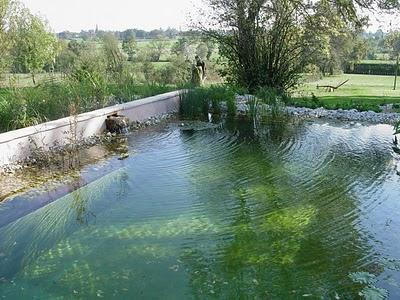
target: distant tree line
121 35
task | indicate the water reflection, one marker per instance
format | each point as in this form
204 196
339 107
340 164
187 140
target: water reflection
79 204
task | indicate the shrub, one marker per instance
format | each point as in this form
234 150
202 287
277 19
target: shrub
178 71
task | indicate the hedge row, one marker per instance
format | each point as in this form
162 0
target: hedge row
371 69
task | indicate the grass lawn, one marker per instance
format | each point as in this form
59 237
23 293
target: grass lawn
364 92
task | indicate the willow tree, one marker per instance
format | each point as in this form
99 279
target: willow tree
266 43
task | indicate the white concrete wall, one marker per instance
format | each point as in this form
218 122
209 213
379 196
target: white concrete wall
17 145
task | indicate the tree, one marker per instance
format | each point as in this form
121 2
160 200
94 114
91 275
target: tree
263 42
113 54
178 71
66 58
33 45
261 45
77 47
359 50
157 48
202 51
211 48
393 43
4 43
181 48
326 37
8 10
130 47
156 34
128 34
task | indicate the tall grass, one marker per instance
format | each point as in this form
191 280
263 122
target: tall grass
276 101
199 102
194 104
22 107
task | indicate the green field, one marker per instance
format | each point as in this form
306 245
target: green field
361 91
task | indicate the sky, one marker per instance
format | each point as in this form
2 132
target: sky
77 15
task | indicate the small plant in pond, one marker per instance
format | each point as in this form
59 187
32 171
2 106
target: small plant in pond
397 128
275 100
194 104
198 102
253 104
220 94
231 107
72 147
395 140
215 107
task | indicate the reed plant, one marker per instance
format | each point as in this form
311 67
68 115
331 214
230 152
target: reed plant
276 102
194 104
199 102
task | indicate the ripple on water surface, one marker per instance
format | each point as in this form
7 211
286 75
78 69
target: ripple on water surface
230 211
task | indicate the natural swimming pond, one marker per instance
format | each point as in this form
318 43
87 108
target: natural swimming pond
279 212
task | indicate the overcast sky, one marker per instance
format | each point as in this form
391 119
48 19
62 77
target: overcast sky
75 15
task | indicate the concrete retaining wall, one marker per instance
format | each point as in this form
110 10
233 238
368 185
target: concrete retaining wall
18 144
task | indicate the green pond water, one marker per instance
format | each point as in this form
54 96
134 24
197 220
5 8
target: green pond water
232 212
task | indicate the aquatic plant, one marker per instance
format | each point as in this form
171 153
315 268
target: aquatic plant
222 93
254 111
194 104
198 102
276 101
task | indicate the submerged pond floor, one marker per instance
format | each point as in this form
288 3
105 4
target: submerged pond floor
291 211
